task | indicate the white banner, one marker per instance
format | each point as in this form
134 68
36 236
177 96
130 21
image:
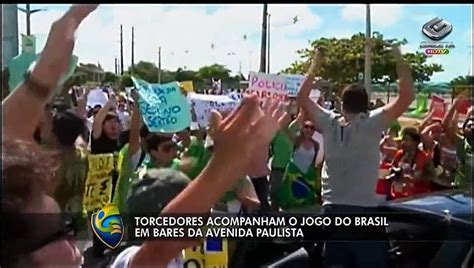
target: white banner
293 83
204 103
97 97
268 85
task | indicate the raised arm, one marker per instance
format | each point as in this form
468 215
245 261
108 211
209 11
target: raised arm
303 99
244 130
100 117
448 118
395 109
23 108
81 96
135 122
426 121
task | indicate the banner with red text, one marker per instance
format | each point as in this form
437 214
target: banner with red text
268 85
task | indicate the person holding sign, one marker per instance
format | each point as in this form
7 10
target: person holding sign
242 131
352 155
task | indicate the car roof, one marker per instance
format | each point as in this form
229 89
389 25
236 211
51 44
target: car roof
455 204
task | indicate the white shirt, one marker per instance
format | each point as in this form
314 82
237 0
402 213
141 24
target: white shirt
352 155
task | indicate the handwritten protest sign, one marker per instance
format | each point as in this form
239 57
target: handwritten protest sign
293 83
97 97
203 105
268 85
438 107
163 107
98 190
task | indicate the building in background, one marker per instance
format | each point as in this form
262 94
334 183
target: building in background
9 33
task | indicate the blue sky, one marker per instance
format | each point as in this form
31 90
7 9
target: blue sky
195 35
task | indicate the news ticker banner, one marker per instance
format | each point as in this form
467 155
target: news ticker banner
274 227
290 227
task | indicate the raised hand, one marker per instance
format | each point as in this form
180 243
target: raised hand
245 129
317 60
57 52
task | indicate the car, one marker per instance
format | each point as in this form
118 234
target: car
430 230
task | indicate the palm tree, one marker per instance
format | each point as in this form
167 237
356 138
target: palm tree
368 52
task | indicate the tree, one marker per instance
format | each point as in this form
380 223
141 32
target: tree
462 81
79 78
146 71
185 75
109 77
126 80
345 60
216 71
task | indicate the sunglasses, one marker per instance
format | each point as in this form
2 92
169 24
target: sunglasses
309 127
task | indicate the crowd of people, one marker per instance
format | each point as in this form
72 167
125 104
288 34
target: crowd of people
239 163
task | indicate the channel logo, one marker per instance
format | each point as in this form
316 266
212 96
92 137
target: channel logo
108 226
436 51
437 29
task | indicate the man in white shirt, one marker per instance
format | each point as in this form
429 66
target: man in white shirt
352 157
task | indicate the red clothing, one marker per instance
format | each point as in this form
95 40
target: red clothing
414 187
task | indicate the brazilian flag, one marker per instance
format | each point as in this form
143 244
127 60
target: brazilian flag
298 189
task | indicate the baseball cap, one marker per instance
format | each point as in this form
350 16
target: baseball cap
155 190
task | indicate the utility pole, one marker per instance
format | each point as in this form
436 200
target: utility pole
268 45
116 66
28 12
121 49
133 49
159 65
263 50
368 53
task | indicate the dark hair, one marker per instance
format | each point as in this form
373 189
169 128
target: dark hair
355 99
144 132
412 133
110 116
67 126
153 141
28 171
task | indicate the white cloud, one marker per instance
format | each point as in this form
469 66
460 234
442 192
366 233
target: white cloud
422 19
186 28
381 15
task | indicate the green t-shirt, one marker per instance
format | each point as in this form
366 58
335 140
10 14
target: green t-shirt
200 156
282 147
